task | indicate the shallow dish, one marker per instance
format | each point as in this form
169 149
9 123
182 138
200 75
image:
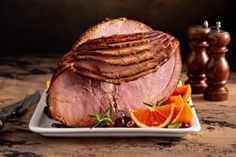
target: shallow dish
40 123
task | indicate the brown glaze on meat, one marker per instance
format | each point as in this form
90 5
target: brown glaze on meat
163 46
118 62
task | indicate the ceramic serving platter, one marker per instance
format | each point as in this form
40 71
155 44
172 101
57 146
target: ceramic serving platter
40 123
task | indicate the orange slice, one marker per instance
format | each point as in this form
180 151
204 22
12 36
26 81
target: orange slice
178 104
185 91
173 99
182 112
155 117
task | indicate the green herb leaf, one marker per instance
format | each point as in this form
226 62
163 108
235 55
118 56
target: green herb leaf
102 119
161 102
149 105
96 125
92 116
174 126
106 120
110 111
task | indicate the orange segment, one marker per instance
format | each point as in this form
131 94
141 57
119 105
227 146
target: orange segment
184 114
158 117
178 104
172 99
184 90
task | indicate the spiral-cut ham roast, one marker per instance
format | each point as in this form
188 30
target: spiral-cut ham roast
118 62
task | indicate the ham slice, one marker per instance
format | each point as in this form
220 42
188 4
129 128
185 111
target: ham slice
118 62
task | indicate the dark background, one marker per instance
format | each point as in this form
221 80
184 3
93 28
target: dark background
52 26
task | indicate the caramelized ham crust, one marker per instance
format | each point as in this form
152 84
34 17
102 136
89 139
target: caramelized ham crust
119 62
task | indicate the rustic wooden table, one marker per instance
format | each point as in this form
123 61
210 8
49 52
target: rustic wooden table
20 76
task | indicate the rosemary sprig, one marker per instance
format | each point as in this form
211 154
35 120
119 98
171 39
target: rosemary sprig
161 102
102 118
149 105
158 103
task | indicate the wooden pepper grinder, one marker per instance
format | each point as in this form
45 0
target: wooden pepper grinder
198 58
217 67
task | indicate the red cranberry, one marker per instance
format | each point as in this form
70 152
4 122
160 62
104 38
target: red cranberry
120 122
185 125
127 118
130 124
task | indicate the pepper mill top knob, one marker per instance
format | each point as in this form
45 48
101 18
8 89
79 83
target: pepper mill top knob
198 32
205 24
218 25
218 37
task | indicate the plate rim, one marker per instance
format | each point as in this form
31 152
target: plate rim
38 113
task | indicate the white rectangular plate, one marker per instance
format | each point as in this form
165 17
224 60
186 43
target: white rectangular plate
40 123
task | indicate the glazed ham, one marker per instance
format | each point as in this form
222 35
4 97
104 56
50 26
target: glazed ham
118 62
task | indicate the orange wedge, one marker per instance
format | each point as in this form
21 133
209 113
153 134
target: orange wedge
182 112
185 91
159 116
178 104
172 99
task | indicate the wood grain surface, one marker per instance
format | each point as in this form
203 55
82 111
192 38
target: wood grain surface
20 76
